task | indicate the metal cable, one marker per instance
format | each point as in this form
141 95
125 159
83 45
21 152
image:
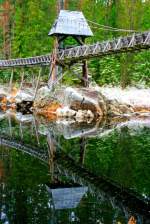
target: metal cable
112 28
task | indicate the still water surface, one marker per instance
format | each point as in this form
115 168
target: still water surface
64 172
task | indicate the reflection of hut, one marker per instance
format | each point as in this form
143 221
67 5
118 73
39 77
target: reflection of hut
67 197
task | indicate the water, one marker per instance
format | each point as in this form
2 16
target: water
64 172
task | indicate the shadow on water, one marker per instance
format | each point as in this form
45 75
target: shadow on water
60 180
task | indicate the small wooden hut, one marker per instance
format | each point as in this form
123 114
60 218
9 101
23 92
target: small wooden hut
71 24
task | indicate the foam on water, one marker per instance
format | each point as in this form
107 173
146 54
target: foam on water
131 96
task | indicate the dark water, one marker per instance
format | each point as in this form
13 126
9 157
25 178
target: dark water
64 172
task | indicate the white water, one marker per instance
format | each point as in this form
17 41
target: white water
131 96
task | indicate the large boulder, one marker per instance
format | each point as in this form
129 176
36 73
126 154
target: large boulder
84 99
26 95
43 97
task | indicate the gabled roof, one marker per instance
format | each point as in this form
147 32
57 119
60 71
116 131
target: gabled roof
71 23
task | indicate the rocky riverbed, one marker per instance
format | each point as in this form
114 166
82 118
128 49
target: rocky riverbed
81 104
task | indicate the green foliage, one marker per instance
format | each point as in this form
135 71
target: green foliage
121 153
33 21
106 70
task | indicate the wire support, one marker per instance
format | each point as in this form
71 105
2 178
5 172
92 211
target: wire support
112 28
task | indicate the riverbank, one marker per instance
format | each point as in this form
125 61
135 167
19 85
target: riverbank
81 104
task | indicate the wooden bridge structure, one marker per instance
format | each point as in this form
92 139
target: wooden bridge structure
132 43
73 24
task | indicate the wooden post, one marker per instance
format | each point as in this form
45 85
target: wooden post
21 130
51 154
11 81
85 73
81 41
82 142
10 125
53 67
36 130
84 69
37 84
66 4
22 78
62 4
33 80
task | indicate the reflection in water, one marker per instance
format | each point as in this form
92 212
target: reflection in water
47 179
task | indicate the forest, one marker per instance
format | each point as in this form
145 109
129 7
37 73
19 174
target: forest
27 23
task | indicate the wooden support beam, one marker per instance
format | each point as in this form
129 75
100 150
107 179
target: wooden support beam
33 80
11 81
10 125
82 142
21 130
61 38
22 78
37 84
51 154
79 39
85 82
36 130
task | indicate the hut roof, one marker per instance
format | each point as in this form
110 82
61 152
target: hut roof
71 23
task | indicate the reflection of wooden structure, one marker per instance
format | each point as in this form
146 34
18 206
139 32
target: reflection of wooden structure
1 170
66 197
102 188
132 220
69 24
51 154
82 142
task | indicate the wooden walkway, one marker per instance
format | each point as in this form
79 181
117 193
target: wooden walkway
135 42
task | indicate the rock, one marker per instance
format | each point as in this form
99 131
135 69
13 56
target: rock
65 112
83 99
80 114
90 114
3 98
3 90
126 108
84 114
43 97
26 118
114 108
24 95
81 103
